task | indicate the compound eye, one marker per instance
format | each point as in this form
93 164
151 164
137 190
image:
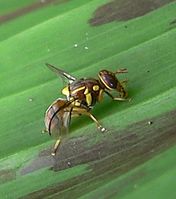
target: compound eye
108 79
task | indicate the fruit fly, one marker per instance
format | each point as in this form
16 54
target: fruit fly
81 96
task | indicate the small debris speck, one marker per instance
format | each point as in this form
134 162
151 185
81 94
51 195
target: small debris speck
150 122
30 99
75 45
86 48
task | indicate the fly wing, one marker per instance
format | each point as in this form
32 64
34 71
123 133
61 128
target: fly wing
61 73
58 117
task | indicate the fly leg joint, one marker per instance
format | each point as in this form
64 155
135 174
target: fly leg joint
56 146
99 126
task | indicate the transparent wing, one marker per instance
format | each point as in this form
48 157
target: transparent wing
58 117
61 73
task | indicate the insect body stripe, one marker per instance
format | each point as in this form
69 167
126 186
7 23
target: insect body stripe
78 89
89 99
86 91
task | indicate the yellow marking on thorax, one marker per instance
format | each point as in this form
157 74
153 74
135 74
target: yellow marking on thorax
65 91
88 97
86 91
78 89
96 87
100 95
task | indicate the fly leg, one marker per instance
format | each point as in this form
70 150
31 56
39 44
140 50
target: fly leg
124 81
56 146
120 86
99 126
122 70
83 111
44 131
116 98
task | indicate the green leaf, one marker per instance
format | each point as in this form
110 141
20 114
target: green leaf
136 157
